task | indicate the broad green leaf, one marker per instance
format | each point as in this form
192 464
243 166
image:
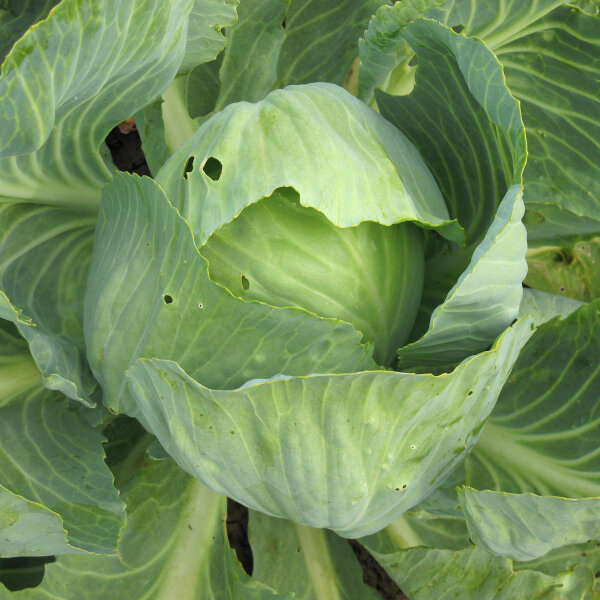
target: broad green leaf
570 271
346 452
46 253
57 111
483 301
56 492
248 68
16 16
543 434
204 38
461 101
543 307
245 71
553 67
462 98
272 44
472 574
149 295
63 87
312 564
374 173
174 546
550 56
321 39
384 47
526 526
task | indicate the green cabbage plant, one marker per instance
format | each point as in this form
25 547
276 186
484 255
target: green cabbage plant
314 306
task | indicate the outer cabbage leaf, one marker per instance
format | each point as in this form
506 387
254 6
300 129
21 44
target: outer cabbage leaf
543 434
63 86
273 43
474 144
312 564
549 51
373 174
56 492
346 452
149 295
472 574
248 68
557 455
526 526
174 546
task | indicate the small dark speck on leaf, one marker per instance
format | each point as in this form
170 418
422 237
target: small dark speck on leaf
168 299
245 283
190 527
413 61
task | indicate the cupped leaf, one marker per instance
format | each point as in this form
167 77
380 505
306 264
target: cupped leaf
284 254
56 492
346 452
149 295
339 155
63 87
174 546
312 564
526 526
549 51
484 300
474 144
383 46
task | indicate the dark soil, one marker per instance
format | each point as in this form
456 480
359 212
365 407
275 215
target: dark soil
126 151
